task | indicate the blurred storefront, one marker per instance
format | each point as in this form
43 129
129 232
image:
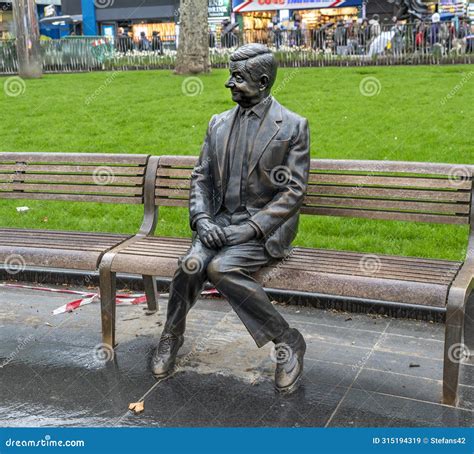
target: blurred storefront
125 15
220 20
6 20
44 8
259 18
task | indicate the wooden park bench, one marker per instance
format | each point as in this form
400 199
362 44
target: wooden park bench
379 190
403 191
69 177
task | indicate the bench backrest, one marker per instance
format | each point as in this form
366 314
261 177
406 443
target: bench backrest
81 177
404 191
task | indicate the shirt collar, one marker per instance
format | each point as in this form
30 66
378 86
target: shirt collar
259 109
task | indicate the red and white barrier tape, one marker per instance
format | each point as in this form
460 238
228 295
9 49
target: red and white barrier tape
87 297
131 299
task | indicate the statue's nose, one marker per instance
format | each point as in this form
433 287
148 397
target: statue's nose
230 84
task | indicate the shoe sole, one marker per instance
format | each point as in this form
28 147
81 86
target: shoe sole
289 389
164 375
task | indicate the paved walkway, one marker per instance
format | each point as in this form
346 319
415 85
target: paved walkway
360 370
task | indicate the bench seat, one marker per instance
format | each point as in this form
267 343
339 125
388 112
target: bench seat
56 249
406 280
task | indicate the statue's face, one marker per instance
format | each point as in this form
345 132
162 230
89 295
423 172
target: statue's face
245 91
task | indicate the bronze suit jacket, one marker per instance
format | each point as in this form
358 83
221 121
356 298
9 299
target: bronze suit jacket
278 169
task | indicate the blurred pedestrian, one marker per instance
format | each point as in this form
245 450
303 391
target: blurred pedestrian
156 43
124 41
143 43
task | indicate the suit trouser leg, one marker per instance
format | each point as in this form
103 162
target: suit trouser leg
230 271
186 286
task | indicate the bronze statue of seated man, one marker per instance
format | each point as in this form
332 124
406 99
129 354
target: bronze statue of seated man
243 214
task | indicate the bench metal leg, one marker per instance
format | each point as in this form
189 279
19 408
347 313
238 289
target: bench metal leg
151 292
108 292
469 329
453 349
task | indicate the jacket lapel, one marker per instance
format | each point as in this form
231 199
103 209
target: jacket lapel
223 131
268 129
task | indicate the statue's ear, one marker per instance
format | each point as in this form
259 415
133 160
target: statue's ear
264 80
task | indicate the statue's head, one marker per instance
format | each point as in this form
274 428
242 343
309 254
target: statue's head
253 70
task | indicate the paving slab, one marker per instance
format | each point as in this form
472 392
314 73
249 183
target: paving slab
360 370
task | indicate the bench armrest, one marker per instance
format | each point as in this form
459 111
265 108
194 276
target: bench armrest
150 215
461 287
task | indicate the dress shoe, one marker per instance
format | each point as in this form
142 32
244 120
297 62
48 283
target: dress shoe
164 356
289 352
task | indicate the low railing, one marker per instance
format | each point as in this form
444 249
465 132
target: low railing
330 46
8 58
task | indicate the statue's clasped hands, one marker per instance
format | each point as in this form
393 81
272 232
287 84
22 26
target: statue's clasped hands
215 237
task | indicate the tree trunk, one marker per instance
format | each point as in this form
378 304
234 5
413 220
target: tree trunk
193 45
30 64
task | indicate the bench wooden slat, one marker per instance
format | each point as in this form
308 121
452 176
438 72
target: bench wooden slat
382 268
60 258
79 158
65 247
381 261
72 188
389 194
178 161
72 240
172 172
69 233
71 197
173 183
388 205
429 168
166 239
334 165
437 263
60 169
44 237
113 180
357 181
389 181
386 215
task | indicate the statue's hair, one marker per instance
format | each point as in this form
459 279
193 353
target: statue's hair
259 60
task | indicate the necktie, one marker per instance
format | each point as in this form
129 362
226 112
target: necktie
233 194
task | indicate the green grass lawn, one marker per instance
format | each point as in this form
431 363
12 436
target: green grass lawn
421 113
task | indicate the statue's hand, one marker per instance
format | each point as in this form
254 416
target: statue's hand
238 234
211 234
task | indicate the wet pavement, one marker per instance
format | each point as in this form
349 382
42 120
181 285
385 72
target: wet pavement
360 370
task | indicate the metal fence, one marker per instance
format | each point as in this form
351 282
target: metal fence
358 44
336 45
